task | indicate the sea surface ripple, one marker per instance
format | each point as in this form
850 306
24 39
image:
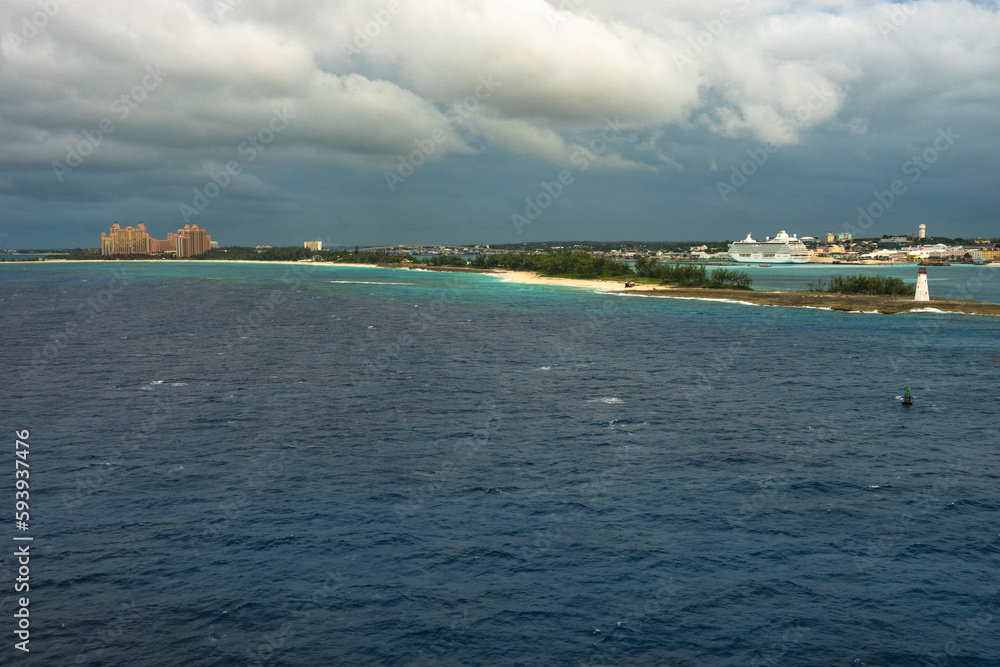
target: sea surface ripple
275 465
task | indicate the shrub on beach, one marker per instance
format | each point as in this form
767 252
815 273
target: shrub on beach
879 285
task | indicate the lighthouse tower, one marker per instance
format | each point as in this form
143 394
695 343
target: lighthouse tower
922 293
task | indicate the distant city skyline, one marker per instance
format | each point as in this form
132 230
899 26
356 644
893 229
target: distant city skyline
913 236
374 122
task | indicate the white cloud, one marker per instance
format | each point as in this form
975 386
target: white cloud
771 71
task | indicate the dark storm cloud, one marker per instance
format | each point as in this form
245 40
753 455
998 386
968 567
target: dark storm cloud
405 121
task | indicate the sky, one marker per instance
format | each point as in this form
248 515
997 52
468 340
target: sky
497 121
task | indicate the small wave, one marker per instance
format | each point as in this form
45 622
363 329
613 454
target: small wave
943 312
610 400
178 384
742 303
368 282
545 368
702 298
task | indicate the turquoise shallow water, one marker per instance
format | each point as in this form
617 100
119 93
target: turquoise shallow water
273 465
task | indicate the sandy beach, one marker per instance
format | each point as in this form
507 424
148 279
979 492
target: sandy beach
863 303
531 278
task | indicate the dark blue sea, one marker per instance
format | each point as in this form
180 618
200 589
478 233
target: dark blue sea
245 464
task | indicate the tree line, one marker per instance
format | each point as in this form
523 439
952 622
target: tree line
582 265
881 285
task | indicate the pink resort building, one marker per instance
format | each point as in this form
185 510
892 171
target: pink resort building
186 242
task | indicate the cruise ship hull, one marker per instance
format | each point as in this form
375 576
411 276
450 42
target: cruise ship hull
768 258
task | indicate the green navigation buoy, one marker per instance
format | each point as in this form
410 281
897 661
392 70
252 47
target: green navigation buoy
907 399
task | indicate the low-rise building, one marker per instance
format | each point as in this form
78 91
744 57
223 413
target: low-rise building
991 254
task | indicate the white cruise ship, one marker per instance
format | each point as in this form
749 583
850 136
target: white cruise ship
782 249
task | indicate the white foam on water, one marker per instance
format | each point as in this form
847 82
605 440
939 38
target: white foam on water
705 298
945 312
368 282
610 400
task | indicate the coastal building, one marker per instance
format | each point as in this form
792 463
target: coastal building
826 253
162 246
921 231
991 254
191 240
186 242
125 240
313 245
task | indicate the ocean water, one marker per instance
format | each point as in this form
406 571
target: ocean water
272 465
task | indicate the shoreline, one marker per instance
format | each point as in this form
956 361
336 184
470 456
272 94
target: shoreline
860 303
857 303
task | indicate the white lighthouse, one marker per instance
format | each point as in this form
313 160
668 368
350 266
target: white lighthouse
922 231
922 293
